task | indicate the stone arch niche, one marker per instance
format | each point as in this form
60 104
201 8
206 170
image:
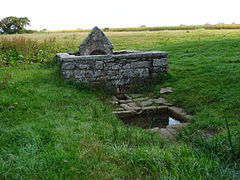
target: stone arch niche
98 52
96 43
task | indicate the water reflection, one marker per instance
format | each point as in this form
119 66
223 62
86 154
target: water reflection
146 121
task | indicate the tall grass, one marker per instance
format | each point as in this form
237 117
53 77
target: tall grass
20 49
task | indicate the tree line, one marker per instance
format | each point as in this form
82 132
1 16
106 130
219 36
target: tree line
14 25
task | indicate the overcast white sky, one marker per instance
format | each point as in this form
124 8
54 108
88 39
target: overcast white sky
74 14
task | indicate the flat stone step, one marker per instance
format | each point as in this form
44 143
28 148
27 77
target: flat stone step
124 114
146 103
134 106
141 99
162 101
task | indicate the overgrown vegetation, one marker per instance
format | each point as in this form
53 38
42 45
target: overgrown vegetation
19 49
51 129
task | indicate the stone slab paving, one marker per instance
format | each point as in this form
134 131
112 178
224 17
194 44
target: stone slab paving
137 105
148 102
162 101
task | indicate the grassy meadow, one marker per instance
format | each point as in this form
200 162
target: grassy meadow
51 129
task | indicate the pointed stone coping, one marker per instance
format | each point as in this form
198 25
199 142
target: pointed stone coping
96 41
143 54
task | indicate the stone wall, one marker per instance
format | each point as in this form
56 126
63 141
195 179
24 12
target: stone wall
119 70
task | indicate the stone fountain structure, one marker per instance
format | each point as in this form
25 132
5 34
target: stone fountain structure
96 62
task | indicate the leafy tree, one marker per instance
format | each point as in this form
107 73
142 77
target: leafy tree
13 25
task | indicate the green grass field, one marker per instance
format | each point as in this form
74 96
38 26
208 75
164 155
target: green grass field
50 129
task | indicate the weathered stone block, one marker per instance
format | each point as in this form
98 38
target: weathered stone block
140 64
118 76
111 73
165 61
89 74
142 72
113 66
93 73
123 114
98 73
126 66
117 66
99 64
68 65
126 72
156 69
148 110
159 62
164 68
108 65
178 113
79 75
67 74
146 103
154 74
83 66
